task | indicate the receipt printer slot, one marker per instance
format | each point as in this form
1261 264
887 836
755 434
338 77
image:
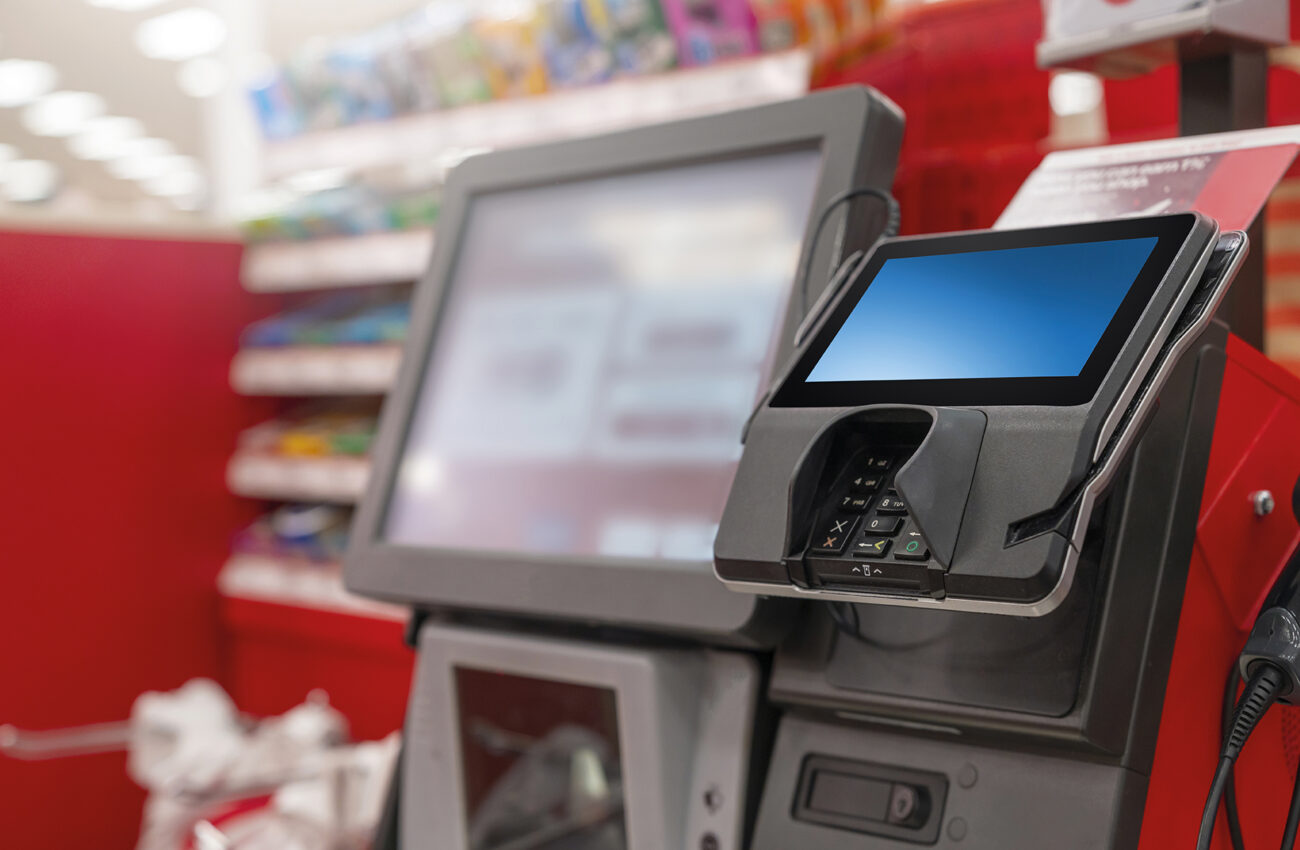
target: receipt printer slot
891 802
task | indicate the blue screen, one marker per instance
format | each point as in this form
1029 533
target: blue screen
1013 313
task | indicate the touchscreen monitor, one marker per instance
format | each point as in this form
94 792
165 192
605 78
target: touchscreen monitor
602 344
1028 317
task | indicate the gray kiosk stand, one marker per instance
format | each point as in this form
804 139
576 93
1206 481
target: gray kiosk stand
975 709
598 323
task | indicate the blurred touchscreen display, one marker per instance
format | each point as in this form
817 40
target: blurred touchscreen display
602 344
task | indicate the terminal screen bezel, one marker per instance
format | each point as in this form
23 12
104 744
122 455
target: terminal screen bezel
858 136
1171 232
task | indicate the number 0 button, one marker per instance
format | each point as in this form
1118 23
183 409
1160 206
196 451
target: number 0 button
883 524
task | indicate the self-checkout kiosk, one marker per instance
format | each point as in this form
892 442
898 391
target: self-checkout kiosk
722 535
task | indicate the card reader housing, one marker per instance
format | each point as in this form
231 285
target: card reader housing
998 497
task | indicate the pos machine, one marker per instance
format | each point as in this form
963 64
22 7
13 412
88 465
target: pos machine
960 557
985 467
599 321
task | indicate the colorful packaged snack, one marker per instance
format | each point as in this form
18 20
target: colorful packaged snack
779 24
575 53
636 34
447 51
711 30
508 31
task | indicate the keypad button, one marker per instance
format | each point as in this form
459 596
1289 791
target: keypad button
879 463
834 535
871 547
855 504
891 505
883 525
911 546
866 483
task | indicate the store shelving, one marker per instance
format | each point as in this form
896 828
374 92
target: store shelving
319 586
315 370
251 584
260 475
558 115
373 258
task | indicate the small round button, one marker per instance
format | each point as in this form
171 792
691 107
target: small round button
968 776
957 829
709 841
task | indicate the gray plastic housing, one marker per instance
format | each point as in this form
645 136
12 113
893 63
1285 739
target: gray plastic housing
859 132
997 798
1029 459
1046 727
685 727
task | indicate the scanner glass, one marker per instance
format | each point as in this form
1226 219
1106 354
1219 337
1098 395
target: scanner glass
603 343
541 763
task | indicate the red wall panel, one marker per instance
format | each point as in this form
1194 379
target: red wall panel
116 421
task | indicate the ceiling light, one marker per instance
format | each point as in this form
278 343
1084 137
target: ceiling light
176 184
202 77
177 163
125 5
141 159
29 181
182 34
158 168
23 80
1074 93
62 113
106 137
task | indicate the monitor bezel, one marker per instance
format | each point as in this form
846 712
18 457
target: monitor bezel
1171 232
849 125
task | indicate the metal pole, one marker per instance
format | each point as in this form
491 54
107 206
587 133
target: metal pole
1217 93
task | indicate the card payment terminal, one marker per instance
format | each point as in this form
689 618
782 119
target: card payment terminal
942 437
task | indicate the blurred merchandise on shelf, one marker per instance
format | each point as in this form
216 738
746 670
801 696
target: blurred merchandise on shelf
327 433
509 32
318 454
345 318
575 54
637 35
712 30
353 209
778 24
312 533
448 53
454 53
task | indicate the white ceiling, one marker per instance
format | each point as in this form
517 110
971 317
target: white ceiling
94 50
